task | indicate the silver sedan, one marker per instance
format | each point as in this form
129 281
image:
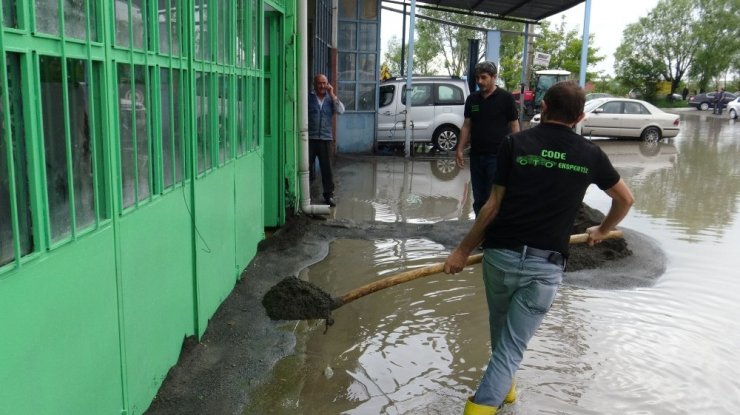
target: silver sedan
623 117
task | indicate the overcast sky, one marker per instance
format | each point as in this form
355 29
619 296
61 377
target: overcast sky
608 20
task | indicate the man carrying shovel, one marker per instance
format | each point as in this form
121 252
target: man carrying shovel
525 225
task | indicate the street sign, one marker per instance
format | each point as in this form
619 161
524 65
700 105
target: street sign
542 59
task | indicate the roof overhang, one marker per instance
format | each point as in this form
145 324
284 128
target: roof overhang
530 11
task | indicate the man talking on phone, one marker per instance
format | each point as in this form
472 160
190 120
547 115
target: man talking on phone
322 105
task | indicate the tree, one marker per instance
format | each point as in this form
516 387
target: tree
443 47
451 41
680 37
662 45
564 46
392 56
719 51
424 55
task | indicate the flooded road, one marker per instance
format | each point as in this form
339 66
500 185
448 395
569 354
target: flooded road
421 347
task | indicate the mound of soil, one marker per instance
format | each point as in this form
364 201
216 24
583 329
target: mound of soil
583 256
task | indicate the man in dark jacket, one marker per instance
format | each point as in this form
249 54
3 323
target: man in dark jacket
541 178
719 98
322 105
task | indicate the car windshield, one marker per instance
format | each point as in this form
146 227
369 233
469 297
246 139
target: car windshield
590 105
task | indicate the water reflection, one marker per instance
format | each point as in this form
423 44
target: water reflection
400 190
694 181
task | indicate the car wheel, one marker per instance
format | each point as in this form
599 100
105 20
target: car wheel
651 135
649 148
444 169
704 106
446 138
733 114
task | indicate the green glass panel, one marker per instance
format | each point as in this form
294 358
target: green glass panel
81 142
255 34
126 104
224 148
256 119
75 18
202 34
133 20
143 149
57 182
241 133
169 29
10 15
166 129
177 122
241 31
203 122
224 17
17 152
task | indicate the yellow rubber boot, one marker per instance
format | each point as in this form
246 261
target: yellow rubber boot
472 408
511 395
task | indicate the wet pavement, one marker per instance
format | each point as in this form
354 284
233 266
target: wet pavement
420 348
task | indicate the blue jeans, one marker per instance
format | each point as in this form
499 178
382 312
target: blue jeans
482 169
519 291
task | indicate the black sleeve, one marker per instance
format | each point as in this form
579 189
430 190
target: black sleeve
605 175
468 105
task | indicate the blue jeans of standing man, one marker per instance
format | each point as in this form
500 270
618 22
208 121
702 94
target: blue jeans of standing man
520 290
482 169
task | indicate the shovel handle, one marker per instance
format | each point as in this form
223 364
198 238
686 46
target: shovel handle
435 269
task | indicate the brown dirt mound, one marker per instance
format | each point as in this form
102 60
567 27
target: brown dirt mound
295 299
583 256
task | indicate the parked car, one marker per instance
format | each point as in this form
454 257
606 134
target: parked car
733 108
705 101
436 112
624 117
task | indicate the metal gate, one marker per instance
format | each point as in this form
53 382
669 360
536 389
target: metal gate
322 39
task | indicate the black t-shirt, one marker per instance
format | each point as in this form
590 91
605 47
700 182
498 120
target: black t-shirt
490 118
546 171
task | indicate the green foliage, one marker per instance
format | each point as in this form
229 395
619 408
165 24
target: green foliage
678 38
718 26
444 48
564 46
609 85
392 56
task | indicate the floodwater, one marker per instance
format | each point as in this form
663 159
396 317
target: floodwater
421 347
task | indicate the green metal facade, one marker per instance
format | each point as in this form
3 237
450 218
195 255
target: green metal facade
145 147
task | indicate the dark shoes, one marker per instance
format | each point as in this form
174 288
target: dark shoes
330 201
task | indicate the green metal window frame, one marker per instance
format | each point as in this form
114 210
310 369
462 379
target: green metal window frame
85 50
232 63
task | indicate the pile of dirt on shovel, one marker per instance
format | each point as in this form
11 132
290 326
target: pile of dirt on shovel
583 256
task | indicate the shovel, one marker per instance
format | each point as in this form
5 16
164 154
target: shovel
295 299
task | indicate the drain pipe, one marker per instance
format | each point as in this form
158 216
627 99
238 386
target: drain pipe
303 173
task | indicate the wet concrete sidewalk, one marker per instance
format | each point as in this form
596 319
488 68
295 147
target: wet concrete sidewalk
241 344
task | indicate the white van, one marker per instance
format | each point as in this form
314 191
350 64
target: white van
437 111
